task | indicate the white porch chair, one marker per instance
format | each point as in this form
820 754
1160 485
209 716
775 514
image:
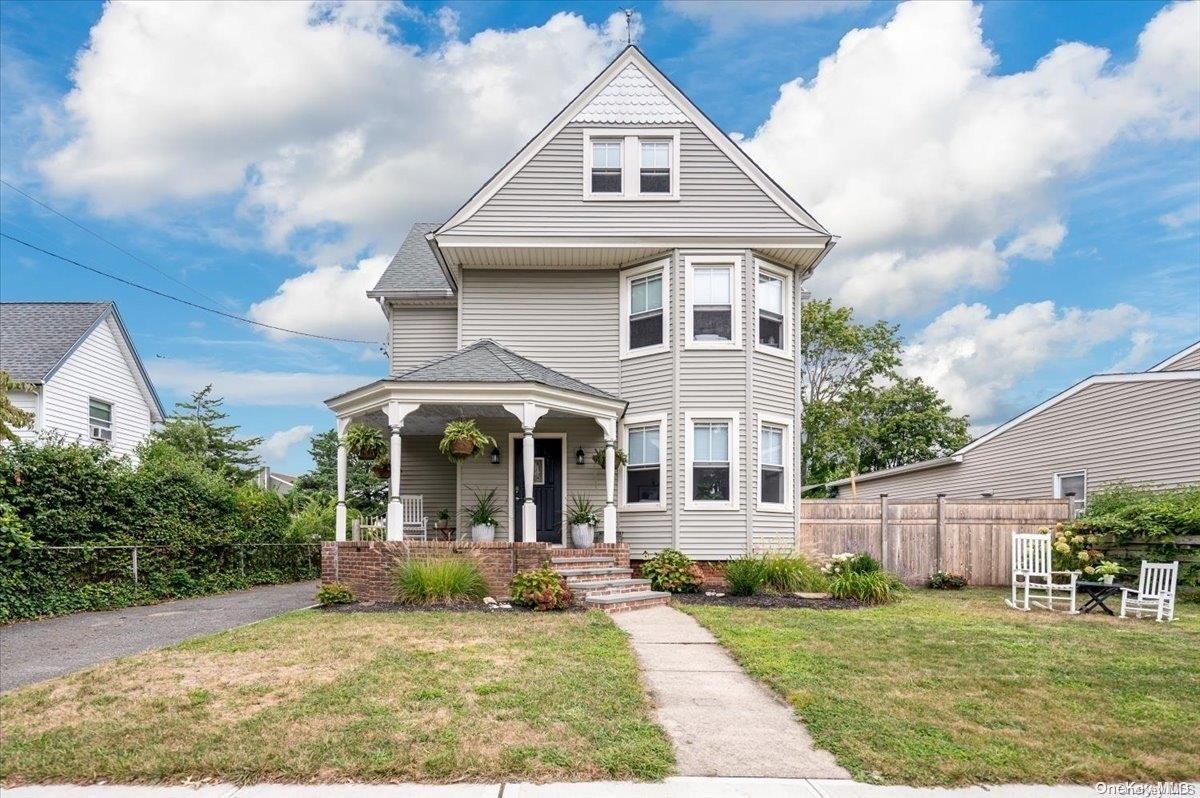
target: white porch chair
414 521
1032 574
1155 591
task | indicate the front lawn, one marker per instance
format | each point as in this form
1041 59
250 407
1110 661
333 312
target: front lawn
955 688
314 696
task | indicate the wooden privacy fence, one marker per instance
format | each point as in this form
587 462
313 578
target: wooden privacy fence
915 537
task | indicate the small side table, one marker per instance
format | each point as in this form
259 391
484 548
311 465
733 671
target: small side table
1097 593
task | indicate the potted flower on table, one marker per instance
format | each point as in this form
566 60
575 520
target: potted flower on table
1107 570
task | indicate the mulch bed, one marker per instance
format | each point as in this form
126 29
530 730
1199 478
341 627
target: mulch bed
388 606
767 601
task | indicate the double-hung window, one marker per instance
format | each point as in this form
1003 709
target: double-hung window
712 303
645 300
655 166
100 420
773 294
643 471
774 456
606 166
1073 484
712 460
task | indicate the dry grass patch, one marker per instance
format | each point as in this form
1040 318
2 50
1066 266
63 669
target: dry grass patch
315 696
954 688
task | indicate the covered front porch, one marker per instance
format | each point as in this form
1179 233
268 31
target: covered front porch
547 426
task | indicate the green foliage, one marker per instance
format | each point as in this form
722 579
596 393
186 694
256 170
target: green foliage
334 593
672 571
197 430
860 415
867 587
447 580
792 573
365 492
316 520
464 429
541 588
12 416
365 442
191 525
618 454
580 510
485 510
746 575
944 580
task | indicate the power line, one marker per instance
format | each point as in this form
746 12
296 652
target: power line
189 303
112 244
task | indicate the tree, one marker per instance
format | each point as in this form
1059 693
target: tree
365 492
197 430
12 416
860 415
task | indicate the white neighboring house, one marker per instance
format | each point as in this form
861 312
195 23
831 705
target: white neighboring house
277 481
88 381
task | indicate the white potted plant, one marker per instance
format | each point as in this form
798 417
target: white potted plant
582 516
1107 569
482 515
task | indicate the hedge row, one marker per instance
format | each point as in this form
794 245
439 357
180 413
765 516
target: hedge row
192 528
1132 524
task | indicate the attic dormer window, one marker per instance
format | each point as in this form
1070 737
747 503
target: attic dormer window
656 166
606 166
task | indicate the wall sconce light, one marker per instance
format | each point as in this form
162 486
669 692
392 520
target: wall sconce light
579 456
495 457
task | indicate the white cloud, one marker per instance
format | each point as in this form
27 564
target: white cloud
328 300
727 14
277 445
911 146
1186 216
270 388
973 357
1141 347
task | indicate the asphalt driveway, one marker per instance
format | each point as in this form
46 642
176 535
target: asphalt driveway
37 650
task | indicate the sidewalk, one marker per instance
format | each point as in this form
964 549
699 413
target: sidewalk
681 787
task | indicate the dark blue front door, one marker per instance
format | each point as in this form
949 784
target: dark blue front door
547 490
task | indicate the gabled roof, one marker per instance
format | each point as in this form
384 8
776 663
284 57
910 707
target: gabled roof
415 270
1187 352
957 457
487 361
634 89
36 338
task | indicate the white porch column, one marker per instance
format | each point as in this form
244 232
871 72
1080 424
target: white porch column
339 532
609 426
528 414
396 413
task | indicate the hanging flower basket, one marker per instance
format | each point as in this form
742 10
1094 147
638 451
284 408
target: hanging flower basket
365 443
463 439
382 468
463 447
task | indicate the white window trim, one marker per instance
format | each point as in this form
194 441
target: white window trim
690 419
112 420
631 163
735 298
774 420
770 270
644 420
1058 490
627 277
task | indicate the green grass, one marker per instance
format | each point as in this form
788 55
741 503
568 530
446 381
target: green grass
321 697
950 688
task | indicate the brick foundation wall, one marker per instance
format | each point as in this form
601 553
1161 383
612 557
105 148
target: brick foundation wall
713 571
366 566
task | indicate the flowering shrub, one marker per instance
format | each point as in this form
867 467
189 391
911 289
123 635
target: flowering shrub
862 578
541 588
850 563
673 571
943 580
334 593
1074 550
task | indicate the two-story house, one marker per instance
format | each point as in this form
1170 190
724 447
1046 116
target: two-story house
629 279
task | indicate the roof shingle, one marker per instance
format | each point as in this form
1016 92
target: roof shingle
414 267
36 336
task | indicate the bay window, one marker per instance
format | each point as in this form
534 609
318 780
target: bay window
712 303
643 471
712 460
645 301
774 462
774 302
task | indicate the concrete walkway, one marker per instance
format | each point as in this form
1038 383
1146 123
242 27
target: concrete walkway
35 650
721 722
684 787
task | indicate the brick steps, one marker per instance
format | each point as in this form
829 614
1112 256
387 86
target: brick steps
609 586
599 583
593 574
623 602
582 561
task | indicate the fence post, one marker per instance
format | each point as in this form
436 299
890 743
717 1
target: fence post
1070 497
883 529
941 526
135 566
242 560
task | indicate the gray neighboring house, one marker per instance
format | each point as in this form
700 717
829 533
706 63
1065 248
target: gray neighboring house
1140 429
628 280
88 383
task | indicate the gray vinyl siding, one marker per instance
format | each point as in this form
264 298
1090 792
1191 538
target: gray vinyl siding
426 472
1140 433
1189 362
546 197
420 333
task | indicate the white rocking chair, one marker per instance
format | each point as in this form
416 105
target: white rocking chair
1032 574
413 520
1155 591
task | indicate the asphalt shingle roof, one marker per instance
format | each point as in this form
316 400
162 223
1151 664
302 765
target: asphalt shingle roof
35 336
487 361
414 267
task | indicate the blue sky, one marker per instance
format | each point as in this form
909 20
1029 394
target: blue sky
1016 184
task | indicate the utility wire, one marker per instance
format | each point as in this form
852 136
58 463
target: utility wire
173 298
112 244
